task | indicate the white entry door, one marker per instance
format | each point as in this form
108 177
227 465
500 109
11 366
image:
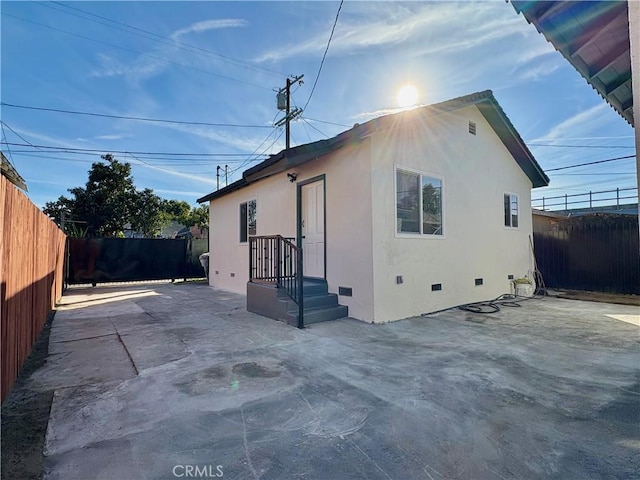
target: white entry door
313 229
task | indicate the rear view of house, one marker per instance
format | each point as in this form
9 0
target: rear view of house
406 214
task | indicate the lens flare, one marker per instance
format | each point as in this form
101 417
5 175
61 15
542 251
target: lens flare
407 96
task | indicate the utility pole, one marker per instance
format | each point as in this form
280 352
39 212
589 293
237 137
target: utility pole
226 175
218 177
284 103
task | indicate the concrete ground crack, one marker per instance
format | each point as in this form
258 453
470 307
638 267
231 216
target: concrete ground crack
126 349
84 338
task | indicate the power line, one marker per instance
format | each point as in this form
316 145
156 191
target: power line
168 40
156 160
317 130
589 163
165 156
328 123
324 56
18 135
249 160
577 146
109 150
599 174
4 136
135 51
123 117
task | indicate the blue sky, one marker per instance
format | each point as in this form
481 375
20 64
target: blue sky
220 62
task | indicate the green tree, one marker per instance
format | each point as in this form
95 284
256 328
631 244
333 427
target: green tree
146 215
106 201
199 216
177 210
109 201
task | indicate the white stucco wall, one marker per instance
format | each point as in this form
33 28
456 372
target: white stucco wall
477 171
349 236
363 250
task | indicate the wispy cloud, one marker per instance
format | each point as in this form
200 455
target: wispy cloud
40 138
140 69
206 25
390 24
535 72
182 193
156 61
113 137
381 112
190 176
243 143
579 125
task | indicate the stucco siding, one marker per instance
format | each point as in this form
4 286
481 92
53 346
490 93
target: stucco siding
477 171
349 257
229 259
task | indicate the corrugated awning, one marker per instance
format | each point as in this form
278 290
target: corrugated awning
594 37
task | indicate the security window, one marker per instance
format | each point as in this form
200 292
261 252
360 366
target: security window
248 219
418 203
510 210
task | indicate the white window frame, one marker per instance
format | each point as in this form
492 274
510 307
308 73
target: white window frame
243 202
395 203
510 227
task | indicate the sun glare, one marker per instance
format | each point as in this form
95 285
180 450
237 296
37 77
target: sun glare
407 96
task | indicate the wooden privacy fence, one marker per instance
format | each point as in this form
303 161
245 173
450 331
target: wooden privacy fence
596 252
31 276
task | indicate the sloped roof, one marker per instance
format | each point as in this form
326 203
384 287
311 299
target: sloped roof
594 37
11 173
484 101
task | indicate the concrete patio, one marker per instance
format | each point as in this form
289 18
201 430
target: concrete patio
159 381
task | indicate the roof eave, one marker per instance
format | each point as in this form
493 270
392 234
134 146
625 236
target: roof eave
237 185
511 139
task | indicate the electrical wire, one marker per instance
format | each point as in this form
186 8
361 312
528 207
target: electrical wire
324 56
589 163
577 146
250 159
135 51
169 41
317 130
328 123
103 150
124 117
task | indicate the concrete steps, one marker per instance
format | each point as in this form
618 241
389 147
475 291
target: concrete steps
319 304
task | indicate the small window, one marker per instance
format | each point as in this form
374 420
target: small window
510 210
418 204
472 127
248 220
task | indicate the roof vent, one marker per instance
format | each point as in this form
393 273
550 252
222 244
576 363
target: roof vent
472 127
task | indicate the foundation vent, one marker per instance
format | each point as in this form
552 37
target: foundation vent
345 291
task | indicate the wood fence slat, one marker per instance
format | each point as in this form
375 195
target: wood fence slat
31 269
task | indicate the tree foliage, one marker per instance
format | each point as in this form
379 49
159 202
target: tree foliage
109 202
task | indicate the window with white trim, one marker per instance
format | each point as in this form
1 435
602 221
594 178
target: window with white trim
418 203
248 220
511 210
